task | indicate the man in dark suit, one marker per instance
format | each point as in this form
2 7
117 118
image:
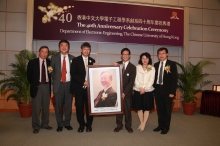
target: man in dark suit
60 72
128 77
106 97
40 80
165 85
79 86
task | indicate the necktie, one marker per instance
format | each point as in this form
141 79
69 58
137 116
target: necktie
123 68
43 74
98 98
63 78
85 62
161 72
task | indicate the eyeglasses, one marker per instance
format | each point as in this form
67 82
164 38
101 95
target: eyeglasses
125 54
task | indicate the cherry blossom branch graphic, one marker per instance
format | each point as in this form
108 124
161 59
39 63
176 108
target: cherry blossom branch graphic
53 11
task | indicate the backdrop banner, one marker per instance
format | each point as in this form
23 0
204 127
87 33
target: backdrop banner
107 22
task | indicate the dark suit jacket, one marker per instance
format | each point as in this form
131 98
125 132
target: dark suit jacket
78 73
169 79
33 75
128 79
110 99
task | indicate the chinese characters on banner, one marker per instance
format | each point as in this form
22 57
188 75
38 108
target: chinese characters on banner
107 22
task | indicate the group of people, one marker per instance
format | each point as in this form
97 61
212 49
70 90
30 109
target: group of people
69 75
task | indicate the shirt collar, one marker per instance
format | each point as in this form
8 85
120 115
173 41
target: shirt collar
63 55
85 57
105 89
126 63
164 62
42 59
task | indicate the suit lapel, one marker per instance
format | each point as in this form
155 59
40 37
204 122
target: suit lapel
38 68
81 61
109 90
167 63
127 69
157 68
59 63
164 72
70 59
90 62
47 62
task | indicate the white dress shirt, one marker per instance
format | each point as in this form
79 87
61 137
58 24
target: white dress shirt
125 63
164 63
67 66
46 73
85 60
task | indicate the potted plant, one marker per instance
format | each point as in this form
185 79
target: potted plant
190 82
16 86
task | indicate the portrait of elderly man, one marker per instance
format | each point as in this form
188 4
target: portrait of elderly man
106 97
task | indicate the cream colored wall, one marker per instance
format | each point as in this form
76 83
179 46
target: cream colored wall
204 38
12 39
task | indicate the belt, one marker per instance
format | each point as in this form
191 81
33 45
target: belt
159 85
64 82
43 83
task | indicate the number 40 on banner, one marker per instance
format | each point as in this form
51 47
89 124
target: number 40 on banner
66 17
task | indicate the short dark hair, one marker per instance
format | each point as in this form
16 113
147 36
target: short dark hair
64 41
86 44
148 56
161 49
125 49
44 47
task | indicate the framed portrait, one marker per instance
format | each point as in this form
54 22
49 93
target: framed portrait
105 89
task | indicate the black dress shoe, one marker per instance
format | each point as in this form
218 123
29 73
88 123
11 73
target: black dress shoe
36 131
164 131
117 129
157 129
88 128
69 127
48 128
59 129
81 129
129 129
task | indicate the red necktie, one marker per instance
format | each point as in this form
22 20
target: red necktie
63 78
98 98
